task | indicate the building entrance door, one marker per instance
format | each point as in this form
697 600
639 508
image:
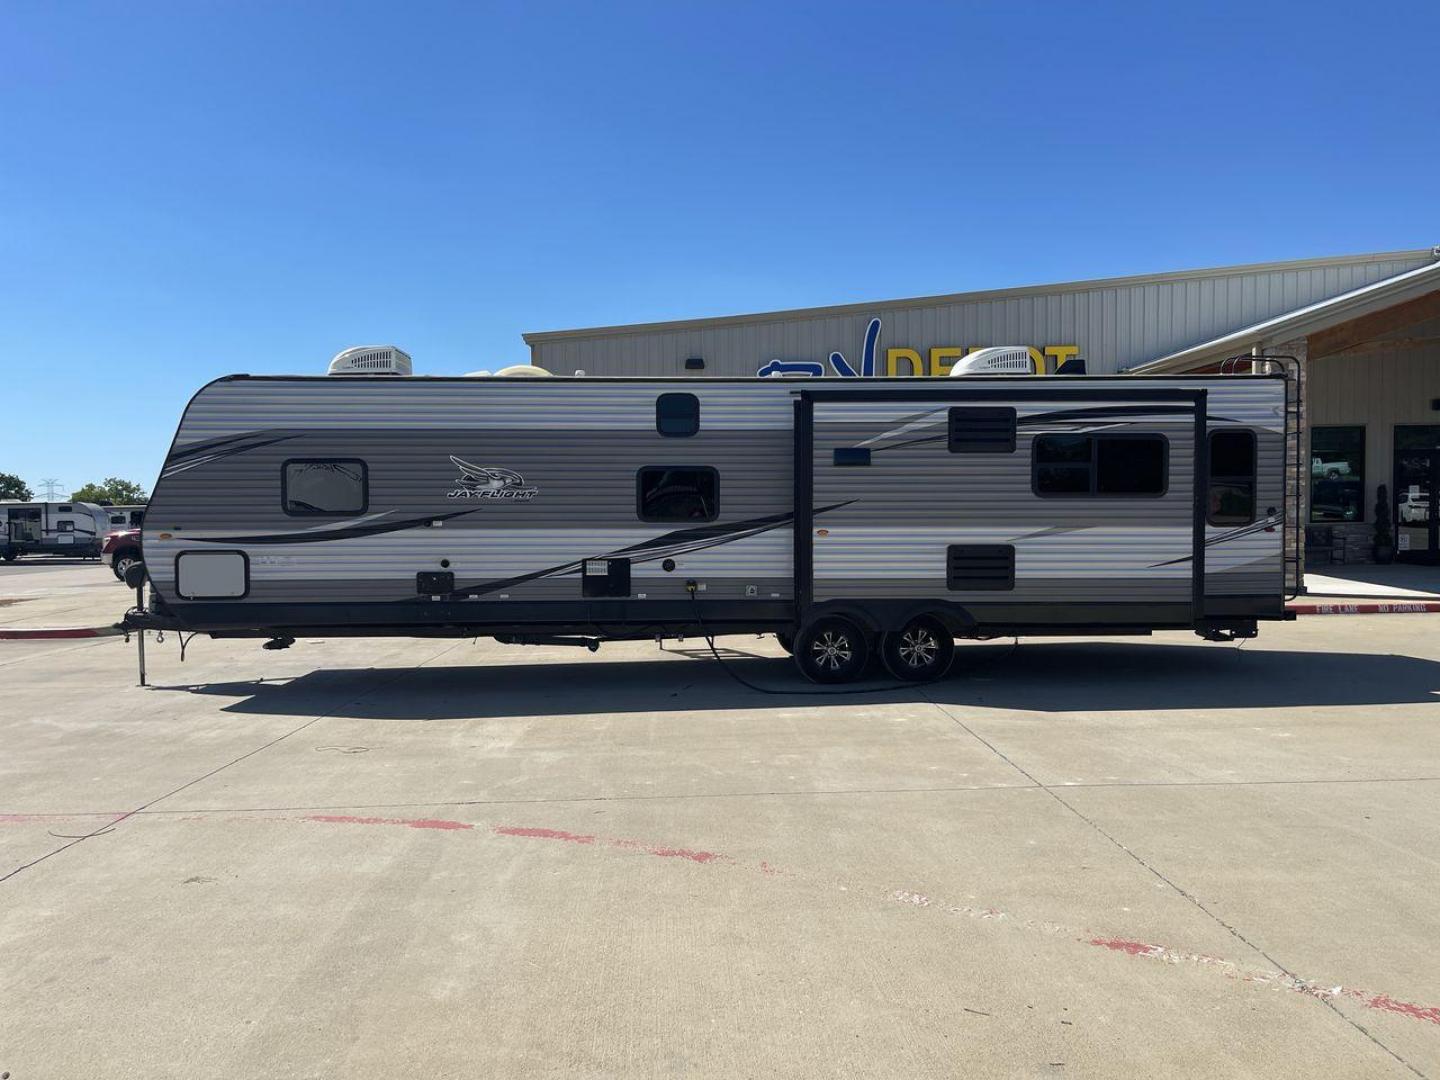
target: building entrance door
1417 482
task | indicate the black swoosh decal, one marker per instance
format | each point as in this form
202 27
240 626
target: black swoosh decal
707 532
1234 534
226 443
1064 416
679 542
1114 412
347 533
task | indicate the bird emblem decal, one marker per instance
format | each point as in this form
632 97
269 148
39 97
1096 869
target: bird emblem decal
487 482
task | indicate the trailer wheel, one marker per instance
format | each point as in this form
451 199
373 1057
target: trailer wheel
831 650
920 651
9 556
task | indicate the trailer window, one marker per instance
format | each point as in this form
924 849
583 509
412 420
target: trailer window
1098 465
1232 477
677 415
677 493
324 486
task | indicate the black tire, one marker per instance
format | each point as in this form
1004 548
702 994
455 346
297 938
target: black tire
920 651
9 556
787 642
123 560
831 650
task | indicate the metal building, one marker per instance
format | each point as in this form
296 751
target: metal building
1364 329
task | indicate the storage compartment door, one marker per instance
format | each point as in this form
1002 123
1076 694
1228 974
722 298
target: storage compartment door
212 575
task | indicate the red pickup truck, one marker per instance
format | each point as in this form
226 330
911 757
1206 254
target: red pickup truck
122 549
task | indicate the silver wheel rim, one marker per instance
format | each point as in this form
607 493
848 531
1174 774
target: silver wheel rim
918 648
831 650
125 564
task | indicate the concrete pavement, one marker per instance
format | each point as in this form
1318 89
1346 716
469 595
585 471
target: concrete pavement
441 859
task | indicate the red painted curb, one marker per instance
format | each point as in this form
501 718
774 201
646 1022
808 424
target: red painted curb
1388 607
29 633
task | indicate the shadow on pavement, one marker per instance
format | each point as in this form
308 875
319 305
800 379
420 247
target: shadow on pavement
1043 677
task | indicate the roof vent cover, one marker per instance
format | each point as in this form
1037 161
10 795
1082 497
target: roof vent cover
371 360
996 360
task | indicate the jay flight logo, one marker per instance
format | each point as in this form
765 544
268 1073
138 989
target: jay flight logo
484 482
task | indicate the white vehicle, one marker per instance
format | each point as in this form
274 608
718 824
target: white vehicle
1414 506
72 528
1330 470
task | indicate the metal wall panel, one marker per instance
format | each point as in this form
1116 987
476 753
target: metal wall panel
1116 325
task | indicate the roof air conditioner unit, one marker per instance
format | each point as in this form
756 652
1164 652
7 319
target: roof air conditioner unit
370 360
996 360
522 371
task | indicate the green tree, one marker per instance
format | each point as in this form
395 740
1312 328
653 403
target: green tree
113 490
12 487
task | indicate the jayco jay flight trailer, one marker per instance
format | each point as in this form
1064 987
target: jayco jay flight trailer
845 516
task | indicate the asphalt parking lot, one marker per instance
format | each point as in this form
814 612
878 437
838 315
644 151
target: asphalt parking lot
370 858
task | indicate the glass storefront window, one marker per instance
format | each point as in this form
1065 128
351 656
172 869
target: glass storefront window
1417 437
1337 474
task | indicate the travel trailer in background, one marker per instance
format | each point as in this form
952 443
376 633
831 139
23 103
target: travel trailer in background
848 517
52 528
124 517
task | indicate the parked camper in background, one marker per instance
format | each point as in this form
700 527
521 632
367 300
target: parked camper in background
848 516
125 517
53 528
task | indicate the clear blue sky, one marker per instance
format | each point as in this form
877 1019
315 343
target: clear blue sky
193 189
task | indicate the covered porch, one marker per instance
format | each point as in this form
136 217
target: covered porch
1368 430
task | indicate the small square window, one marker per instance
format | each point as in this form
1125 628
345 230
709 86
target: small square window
677 415
677 493
324 486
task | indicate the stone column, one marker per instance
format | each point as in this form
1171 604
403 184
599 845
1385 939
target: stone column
1297 466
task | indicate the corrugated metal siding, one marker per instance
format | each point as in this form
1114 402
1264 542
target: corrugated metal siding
1115 326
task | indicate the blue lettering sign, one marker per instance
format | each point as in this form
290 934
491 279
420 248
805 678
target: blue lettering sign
838 363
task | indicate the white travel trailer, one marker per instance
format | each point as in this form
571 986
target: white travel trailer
847 516
72 528
127 516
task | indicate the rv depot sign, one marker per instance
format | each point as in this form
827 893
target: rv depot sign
938 360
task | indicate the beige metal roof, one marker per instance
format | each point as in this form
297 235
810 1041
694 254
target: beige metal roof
867 307
1303 321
